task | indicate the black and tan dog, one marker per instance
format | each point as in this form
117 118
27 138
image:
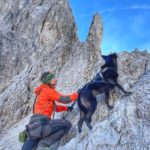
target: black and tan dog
104 82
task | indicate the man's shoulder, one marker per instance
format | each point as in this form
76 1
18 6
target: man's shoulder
48 89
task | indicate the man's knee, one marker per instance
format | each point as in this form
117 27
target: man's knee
68 125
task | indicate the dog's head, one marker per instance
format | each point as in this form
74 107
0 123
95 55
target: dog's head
110 60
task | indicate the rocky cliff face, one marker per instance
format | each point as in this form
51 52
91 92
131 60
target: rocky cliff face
40 35
35 36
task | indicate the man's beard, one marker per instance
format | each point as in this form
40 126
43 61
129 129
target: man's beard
53 86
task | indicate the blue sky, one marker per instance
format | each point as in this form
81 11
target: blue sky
126 23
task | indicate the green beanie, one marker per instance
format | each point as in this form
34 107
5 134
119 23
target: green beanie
48 78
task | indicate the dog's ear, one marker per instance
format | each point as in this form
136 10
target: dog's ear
104 57
114 55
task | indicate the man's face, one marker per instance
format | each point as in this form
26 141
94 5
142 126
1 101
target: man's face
53 83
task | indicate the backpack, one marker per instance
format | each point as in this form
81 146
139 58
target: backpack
22 136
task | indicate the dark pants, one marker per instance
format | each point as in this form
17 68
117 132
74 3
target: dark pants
30 144
56 129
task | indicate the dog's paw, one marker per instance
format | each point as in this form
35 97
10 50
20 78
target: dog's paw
79 130
90 127
128 93
110 107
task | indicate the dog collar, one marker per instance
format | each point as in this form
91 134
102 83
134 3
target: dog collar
101 75
103 70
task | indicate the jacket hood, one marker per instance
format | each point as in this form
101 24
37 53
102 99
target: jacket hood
39 88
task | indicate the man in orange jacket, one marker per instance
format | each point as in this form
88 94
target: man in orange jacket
42 130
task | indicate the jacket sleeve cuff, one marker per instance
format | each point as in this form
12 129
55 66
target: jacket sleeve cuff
74 97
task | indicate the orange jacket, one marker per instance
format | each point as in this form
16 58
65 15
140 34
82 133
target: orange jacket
46 99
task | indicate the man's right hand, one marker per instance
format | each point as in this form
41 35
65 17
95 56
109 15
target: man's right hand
74 96
79 91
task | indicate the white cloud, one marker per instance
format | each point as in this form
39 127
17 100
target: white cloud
134 7
145 7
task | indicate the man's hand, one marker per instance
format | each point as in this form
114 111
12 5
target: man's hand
70 108
79 91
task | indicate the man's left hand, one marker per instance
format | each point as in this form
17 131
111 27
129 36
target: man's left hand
70 108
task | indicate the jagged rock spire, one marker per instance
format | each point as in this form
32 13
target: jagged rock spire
95 32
